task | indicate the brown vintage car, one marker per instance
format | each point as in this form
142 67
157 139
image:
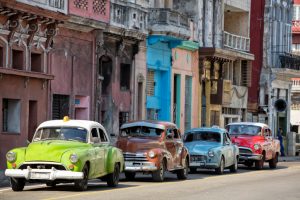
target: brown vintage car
153 147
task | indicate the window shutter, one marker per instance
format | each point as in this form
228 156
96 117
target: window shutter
150 83
246 73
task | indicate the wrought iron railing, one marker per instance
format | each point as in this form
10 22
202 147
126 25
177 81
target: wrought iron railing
53 5
236 42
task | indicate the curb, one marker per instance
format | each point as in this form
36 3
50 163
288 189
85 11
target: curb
289 159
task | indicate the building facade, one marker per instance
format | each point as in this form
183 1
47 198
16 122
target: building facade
27 31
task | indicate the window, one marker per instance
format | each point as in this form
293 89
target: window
1 57
103 137
60 106
296 13
176 134
123 118
11 111
125 77
95 137
246 73
150 83
36 62
17 59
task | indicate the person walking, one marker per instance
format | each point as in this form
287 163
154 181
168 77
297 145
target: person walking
280 138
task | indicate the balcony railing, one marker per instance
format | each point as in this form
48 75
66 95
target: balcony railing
290 61
53 5
170 22
168 17
236 42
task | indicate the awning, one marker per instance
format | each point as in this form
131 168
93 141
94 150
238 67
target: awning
295 117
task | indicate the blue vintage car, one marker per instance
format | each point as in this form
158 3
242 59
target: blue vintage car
211 148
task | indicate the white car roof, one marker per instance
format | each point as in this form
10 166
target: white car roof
249 123
71 123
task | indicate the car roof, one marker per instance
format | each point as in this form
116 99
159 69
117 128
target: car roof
211 129
149 123
71 123
249 123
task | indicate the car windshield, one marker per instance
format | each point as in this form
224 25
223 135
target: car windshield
207 136
143 131
243 129
61 133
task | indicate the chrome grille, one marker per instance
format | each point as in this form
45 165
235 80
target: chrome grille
140 157
42 166
196 158
245 150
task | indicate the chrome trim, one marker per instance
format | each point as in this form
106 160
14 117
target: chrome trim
140 166
147 124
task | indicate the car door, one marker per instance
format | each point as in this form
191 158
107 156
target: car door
171 147
97 153
104 147
227 149
268 142
178 146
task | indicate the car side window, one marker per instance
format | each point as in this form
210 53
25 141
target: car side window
103 137
267 132
227 137
95 136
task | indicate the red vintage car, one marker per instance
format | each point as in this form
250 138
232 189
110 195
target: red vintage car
256 143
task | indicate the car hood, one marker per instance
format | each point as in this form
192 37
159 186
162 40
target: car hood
50 151
246 140
138 144
200 147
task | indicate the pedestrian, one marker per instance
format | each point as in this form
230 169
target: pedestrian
280 137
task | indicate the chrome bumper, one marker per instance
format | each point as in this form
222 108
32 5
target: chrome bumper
140 166
245 157
204 165
43 174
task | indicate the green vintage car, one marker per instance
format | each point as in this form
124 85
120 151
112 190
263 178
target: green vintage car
65 151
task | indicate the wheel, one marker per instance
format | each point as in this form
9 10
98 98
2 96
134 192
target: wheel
193 170
17 184
233 168
51 184
82 184
130 175
273 162
113 178
182 174
159 175
259 164
220 169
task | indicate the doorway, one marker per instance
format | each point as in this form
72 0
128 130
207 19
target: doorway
32 119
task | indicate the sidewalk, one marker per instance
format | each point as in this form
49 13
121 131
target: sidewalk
4 181
289 158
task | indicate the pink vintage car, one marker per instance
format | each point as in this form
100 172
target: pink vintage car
256 143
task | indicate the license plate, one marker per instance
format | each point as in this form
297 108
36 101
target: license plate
39 175
132 164
197 164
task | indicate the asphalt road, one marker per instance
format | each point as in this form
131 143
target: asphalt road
281 183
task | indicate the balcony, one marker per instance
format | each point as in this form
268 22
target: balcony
53 5
169 22
290 61
236 42
129 16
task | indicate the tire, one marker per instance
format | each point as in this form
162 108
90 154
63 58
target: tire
51 184
273 162
17 184
220 169
193 170
130 176
82 185
260 164
182 174
233 168
159 175
113 178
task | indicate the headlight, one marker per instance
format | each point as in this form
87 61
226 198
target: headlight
11 156
73 158
257 146
211 153
151 154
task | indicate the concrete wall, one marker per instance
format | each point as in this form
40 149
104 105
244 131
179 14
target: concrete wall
72 65
237 23
243 5
13 87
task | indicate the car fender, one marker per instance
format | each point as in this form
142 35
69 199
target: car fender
20 157
114 155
